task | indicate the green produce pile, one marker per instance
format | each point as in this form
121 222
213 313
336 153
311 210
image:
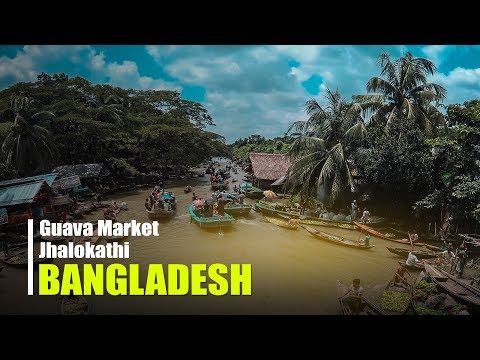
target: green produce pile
423 289
423 310
395 301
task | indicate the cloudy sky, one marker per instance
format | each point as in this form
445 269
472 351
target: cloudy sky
246 89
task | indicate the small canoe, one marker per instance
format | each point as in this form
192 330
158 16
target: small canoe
383 236
434 248
416 267
216 187
157 214
459 289
336 239
186 191
282 223
418 253
238 210
74 305
211 222
324 223
366 308
114 238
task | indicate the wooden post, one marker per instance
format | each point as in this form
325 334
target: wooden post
435 228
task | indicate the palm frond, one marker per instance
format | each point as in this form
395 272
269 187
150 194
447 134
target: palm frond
357 132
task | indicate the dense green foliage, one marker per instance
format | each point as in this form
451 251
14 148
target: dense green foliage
242 148
60 121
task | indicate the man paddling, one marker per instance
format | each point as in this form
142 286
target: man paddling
354 298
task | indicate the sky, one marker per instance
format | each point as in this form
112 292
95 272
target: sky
246 89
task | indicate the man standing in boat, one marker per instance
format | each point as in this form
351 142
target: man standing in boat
354 210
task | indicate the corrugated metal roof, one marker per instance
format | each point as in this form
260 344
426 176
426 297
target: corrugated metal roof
48 178
19 194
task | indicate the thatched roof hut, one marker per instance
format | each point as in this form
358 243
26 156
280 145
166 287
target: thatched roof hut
267 168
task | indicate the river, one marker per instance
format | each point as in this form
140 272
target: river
292 272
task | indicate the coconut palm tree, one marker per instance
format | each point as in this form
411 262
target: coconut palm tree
320 151
28 147
402 92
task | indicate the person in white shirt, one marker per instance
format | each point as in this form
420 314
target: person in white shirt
412 259
365 217
354 298
123 206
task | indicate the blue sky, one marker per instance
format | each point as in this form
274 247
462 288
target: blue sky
246 89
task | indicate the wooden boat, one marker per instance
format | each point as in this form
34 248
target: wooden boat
308 220
383 236
211 222
325 223
238 210
418 253
53 239
406 292
367 307
434 248
20 260
416 267
458 289
282 223
74 305
336 239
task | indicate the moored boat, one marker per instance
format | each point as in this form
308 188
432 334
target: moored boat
282 223
238 210
216 187
337 239
418 253
156 214
397 300
325 223
366 307
458 289
20 260
383 236
211 222
416 267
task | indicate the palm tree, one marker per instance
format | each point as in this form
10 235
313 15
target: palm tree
402 91
28 147
320 151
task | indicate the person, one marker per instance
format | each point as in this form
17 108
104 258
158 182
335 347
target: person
461 256
436 301
366 216
353 296
413 237
354 209
194 197
235 189
412 260
114 205
64 216
98 197
147 204
241 197
221 207
124 206
399 278
366 241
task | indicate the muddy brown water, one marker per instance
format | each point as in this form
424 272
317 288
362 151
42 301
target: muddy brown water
292 272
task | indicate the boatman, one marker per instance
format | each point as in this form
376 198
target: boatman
354 210
354 298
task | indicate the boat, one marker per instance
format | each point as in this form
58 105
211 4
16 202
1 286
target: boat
418 253
187 190
238 210
211 222
20 260
415 267
234 180
307 220
336 239
367 307
325 223
383 236
434 248
282 223
459 289
402 303
74 305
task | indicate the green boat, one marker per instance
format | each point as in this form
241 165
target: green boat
238 210
211 222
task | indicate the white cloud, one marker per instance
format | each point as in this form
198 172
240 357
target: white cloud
434 52
461 84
